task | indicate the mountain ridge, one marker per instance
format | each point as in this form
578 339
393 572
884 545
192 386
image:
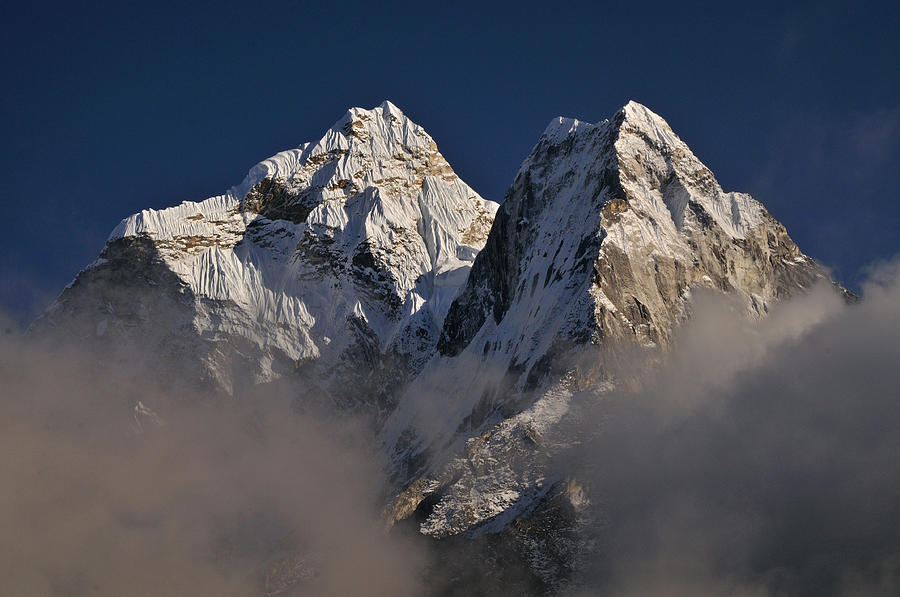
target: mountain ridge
368 229
599 241
363 268
592 260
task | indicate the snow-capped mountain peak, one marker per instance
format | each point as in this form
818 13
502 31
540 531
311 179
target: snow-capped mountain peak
361 266
602 235
368 225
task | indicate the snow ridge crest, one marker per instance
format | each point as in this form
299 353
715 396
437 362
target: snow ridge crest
369 224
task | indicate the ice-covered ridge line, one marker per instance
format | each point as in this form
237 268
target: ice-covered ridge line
561 127
381 131
190 218
369 223
175 221
646 121
652 155
643 134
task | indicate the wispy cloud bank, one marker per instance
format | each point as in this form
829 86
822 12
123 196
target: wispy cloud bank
761 459
198 499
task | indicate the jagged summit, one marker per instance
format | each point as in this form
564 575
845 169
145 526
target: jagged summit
375 118
561 128
649 152
368 227
602 236
641 117
633 115
632 119
379 148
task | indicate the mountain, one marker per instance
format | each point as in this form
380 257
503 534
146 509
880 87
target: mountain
362 265
599 241
594 252
335 259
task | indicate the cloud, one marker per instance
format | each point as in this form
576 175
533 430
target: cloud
761 459
758 459
185 497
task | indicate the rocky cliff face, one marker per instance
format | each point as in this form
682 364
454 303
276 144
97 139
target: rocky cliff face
336 259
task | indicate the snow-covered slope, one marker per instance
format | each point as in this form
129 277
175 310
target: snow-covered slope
337 255
596 247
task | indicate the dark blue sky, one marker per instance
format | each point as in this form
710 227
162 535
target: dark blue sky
111 109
